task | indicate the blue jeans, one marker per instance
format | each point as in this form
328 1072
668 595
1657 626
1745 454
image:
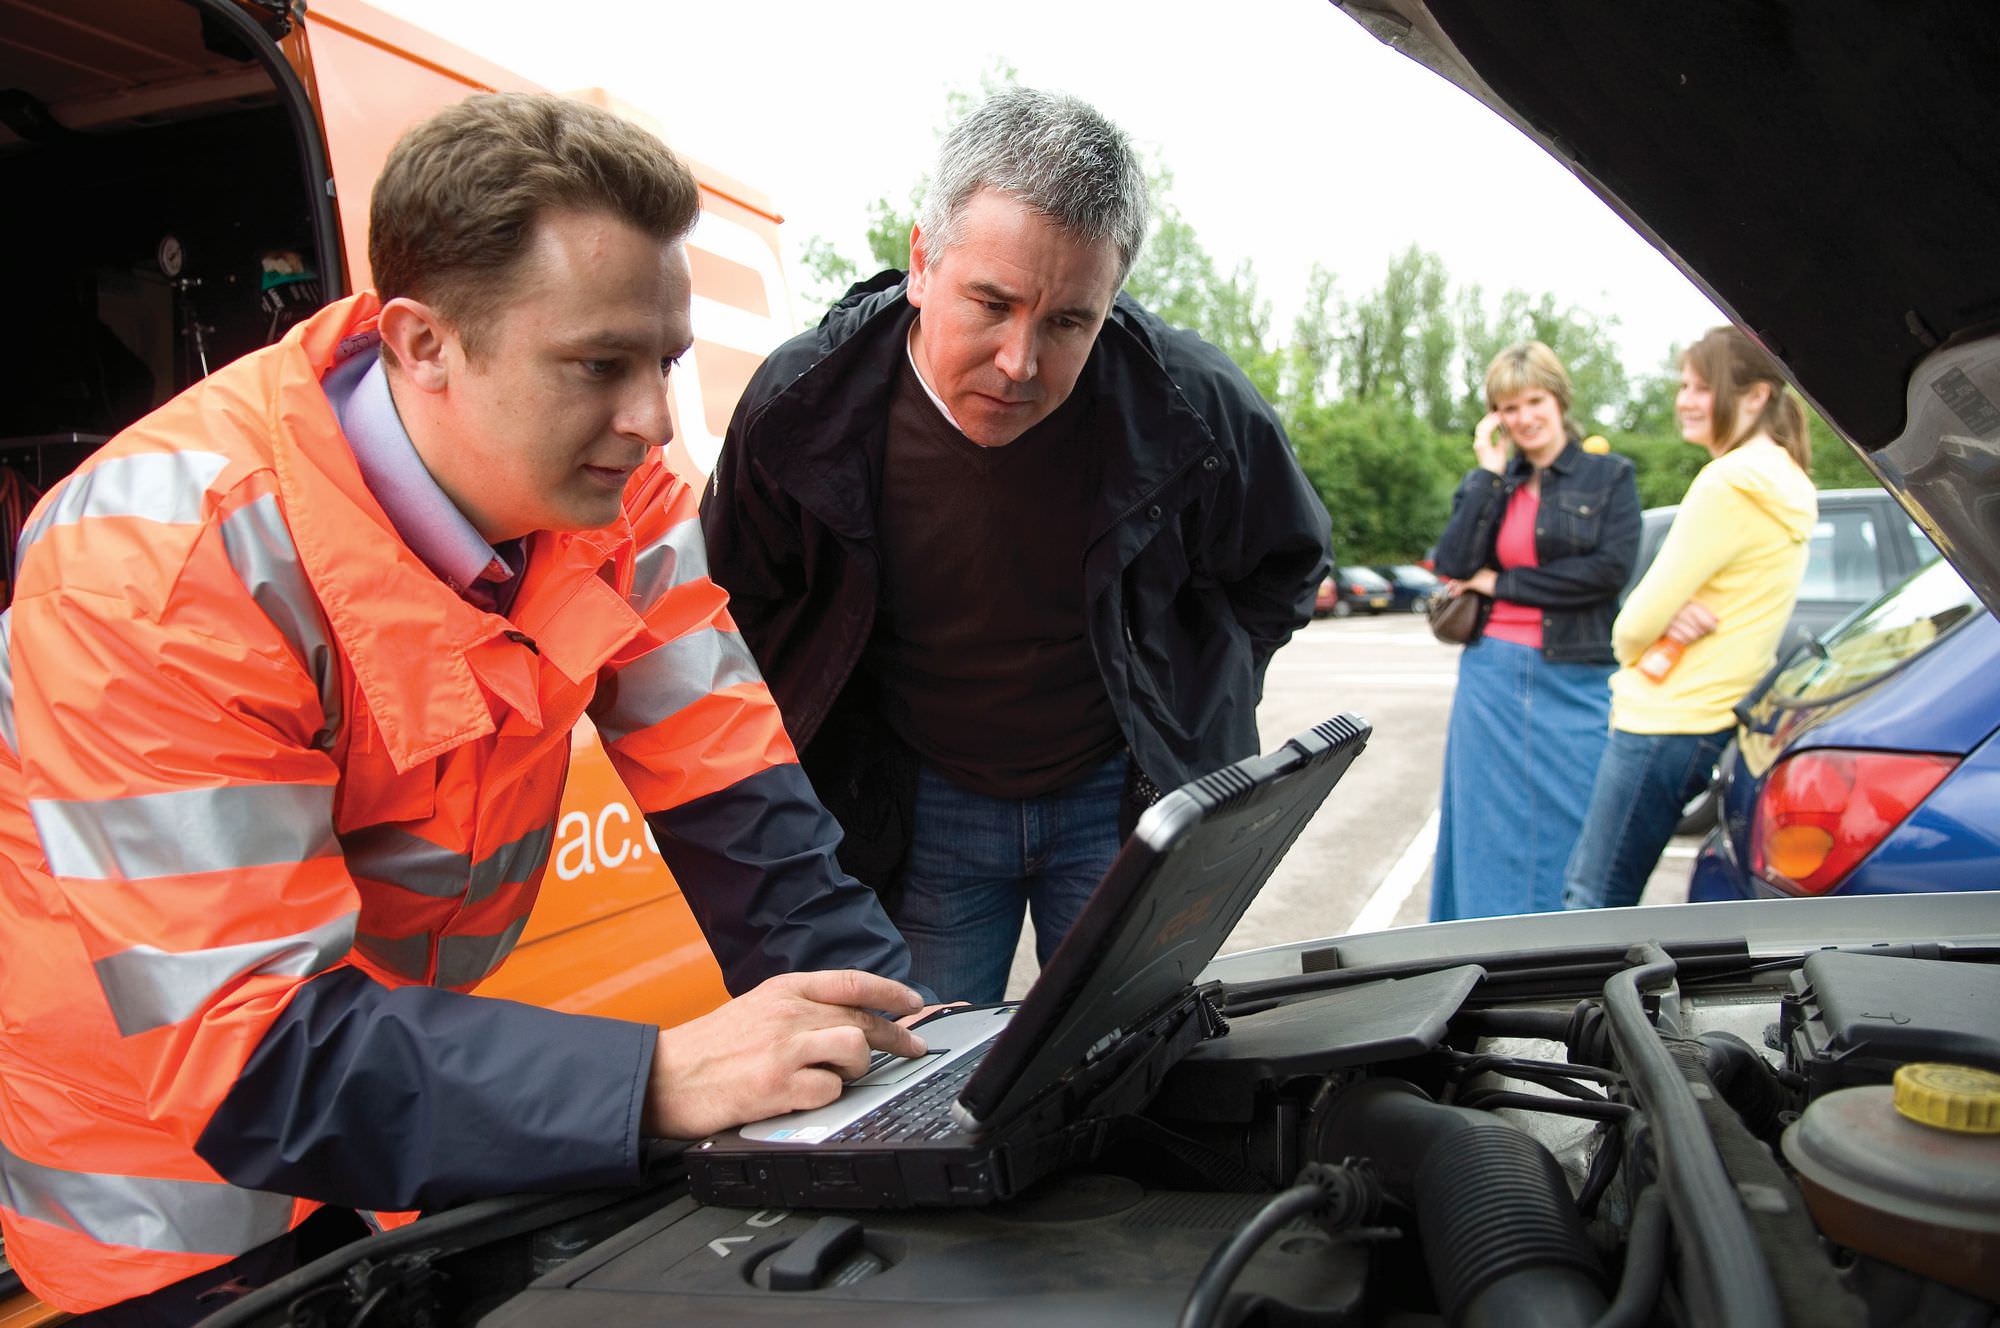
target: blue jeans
1643 781
977 863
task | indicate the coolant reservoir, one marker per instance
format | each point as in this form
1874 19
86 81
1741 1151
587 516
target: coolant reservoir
1909 1173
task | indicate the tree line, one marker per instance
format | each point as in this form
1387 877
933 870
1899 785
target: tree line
1379 392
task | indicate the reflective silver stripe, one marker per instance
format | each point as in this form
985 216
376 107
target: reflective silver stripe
681 556
464 960
407 957
186 831
167 487
397 857
668 680
512 864
151 988
144 1212
7 680
260 548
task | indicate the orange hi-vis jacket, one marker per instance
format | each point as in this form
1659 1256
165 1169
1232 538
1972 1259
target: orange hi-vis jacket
272 795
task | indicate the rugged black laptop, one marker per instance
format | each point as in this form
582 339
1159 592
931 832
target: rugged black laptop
1011 1092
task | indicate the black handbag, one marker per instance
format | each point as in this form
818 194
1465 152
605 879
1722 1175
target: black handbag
1455 619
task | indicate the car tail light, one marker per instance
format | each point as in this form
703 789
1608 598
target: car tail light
1821 812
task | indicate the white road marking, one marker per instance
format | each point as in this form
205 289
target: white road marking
1681 851
1382 906
1392 637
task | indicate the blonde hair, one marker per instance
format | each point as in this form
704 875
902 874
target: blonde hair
1731 364
1523 367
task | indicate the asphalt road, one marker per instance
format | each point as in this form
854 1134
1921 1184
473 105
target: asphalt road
1363 863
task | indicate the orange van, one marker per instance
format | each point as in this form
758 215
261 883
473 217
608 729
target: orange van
184 180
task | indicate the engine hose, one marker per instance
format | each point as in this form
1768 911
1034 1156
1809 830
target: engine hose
1500 1233
1746 1081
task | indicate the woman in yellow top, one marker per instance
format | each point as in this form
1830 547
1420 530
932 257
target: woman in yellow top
1721 590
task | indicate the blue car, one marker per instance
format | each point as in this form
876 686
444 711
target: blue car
1869 764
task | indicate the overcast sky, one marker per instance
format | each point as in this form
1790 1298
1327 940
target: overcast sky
1293 136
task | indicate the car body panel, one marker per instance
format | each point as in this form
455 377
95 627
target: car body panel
1950 843
1944 699
1411 586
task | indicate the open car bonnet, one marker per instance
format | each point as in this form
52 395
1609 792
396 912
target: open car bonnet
1828 174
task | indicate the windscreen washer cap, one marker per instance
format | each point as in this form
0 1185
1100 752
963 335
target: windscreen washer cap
1949 1097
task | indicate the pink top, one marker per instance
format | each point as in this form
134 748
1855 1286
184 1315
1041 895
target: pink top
1515 547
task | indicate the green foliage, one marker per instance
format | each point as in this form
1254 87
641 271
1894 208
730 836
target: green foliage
1385 475
1835 463
1177 279
1399 341
828 273
889 231
1665 462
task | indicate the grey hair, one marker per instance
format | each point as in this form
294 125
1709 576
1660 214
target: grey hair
1055 154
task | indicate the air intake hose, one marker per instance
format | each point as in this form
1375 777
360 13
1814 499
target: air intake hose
1500 1231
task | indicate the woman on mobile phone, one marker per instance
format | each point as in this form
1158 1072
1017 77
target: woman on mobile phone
1548 532
1703 624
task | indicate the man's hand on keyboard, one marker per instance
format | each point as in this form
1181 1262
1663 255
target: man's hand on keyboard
912 1020
786 1045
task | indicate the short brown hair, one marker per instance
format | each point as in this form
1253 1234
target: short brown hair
457 201
1730 363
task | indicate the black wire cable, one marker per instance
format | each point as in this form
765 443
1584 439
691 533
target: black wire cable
1342 1197
1645 1265
1212 1283
1603 1166
1468 1063
1597 1109
1553 1082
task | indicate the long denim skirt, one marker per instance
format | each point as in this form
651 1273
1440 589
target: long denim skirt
1519 760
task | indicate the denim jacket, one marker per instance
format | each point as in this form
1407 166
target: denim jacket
1586 538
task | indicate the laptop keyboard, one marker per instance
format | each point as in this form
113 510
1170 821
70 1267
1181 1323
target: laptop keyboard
922 1113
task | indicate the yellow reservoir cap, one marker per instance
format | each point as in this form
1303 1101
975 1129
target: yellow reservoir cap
1949 1097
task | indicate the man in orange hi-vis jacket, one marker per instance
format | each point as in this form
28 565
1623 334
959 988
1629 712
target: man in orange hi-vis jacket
286 694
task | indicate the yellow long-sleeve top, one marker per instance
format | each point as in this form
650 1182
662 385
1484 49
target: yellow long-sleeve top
1738 546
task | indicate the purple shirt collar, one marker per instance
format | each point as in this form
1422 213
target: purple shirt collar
429 522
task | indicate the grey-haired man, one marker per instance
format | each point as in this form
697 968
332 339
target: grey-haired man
1013 554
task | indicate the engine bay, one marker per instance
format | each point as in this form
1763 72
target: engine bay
1684 1133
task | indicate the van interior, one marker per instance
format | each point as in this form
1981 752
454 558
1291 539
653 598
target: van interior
159 221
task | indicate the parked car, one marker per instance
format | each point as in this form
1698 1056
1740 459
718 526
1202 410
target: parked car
1685 1110
1862 544
1352 589
1870 762
1411 585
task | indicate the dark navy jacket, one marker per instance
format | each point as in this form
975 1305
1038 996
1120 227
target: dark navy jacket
1586 538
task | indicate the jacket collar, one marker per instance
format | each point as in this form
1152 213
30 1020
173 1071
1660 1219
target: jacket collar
420 654
1567 460
834 415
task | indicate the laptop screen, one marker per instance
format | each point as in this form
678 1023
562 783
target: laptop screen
1176 890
